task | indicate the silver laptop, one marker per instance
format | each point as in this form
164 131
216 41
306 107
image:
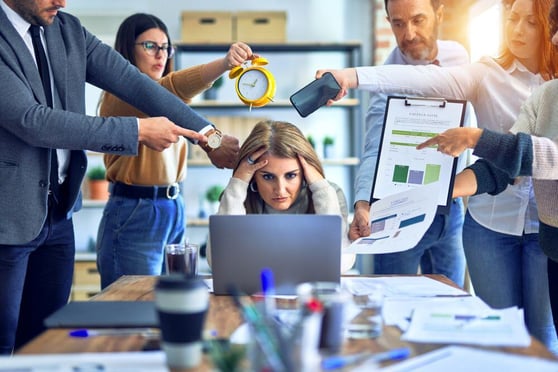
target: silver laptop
296 247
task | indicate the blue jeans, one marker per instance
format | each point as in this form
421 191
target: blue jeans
133 233
508 270
440 251
35 281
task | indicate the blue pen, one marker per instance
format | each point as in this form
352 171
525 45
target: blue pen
144 332
340 361
268 289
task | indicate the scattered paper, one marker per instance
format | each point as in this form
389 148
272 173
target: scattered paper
466 359
397 311
398 222
152 361
453 324
404 286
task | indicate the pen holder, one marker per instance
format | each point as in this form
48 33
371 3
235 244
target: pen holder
334 301
270 346
305 339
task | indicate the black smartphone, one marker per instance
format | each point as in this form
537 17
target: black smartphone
315 95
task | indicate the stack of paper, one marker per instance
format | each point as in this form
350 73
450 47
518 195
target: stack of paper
433 312
453 324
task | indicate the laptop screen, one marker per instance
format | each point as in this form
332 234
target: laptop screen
296 247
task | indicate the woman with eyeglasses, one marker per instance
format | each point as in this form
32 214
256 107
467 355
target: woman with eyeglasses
145 209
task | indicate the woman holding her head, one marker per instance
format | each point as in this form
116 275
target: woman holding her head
145 210
500 233
278 171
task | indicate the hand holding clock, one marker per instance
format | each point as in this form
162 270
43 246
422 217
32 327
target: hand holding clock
255 85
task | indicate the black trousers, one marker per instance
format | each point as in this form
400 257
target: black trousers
548 237
35 280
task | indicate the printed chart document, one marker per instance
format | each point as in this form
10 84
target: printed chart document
400 166
399 221
404 293
454 324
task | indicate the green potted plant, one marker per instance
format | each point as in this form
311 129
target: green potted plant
212 195
98 184
328 143
211 92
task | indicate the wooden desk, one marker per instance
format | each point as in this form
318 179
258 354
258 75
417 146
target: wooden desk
223 317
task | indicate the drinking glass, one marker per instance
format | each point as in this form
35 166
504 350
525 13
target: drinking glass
182 258
369 322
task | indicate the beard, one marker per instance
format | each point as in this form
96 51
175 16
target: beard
421 48
29 11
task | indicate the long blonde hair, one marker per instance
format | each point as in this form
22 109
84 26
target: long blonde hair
280 139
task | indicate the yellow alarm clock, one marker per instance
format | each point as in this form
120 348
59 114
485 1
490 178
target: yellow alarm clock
255 85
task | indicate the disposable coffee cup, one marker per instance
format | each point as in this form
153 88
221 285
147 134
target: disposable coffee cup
181 305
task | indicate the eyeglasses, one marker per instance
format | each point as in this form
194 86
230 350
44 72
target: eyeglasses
152 48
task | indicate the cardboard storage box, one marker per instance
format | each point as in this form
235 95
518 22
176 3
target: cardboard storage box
261 27
207 27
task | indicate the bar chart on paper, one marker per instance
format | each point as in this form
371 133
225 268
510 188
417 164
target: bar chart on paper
404 174
400 166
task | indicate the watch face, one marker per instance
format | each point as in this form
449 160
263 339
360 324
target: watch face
253 84
214 140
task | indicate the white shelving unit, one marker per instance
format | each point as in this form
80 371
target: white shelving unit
293 65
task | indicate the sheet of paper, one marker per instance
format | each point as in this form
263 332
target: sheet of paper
152 361
466 359
404 286
403 294
456 325
399 221
409 122
397 311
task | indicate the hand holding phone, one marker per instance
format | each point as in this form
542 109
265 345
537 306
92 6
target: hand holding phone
315 95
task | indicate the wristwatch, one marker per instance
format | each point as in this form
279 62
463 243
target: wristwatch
214 137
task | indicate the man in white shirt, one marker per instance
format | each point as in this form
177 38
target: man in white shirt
415 25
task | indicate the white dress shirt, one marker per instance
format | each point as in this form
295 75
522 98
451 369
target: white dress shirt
496 94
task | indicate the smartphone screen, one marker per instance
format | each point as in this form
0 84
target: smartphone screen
315 95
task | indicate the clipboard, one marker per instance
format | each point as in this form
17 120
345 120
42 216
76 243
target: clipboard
409 121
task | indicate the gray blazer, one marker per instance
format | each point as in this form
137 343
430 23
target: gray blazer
29 129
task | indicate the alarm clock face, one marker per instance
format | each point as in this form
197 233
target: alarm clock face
253 84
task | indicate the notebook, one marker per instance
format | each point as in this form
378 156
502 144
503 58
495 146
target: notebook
296 247
104 314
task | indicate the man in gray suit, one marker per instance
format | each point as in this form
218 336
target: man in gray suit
43 71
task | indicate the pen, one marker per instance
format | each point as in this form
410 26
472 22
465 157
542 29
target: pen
261 332
144 332
268 290
341 361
